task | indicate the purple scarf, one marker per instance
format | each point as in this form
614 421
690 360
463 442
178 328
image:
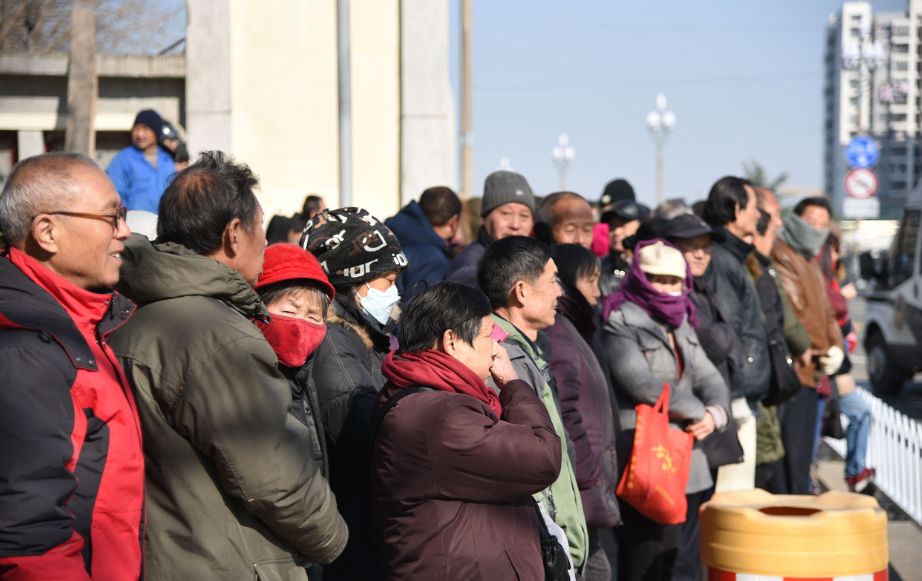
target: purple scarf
661 307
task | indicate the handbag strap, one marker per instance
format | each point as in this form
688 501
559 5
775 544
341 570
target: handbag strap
662 402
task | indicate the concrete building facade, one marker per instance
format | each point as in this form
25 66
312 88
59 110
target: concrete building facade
880 99
263 83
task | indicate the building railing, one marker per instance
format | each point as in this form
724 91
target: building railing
895 450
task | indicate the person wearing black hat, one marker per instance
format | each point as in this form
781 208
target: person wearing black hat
361 258
142 171
623 220
617 190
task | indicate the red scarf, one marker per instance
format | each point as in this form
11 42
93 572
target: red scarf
438 371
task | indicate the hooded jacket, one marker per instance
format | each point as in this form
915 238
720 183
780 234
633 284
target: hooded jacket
587 408
561 500
347 373
736 300
451 484
71 465
426 252
232 490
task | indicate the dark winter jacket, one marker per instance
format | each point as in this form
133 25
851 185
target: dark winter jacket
736 300
347 373
232 490
614 269
464 267
71 465
305 405
426 252
586 407
718 339
452 482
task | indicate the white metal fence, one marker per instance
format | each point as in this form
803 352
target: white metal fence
895 450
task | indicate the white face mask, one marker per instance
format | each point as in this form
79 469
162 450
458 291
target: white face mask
380 304
675 293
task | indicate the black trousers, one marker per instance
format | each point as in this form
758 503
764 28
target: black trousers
798 425
771 477
688 559
646 550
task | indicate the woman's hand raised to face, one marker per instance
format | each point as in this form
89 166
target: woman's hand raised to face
501 370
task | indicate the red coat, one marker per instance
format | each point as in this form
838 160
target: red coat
71 464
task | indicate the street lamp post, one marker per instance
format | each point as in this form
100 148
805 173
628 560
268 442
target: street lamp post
660 123
563 155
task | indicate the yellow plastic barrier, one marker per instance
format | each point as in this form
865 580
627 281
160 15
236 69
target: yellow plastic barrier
748 535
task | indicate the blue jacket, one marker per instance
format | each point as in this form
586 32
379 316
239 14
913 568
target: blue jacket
464 267
426 252
138 183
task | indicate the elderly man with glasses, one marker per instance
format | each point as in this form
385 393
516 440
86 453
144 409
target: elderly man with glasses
71 464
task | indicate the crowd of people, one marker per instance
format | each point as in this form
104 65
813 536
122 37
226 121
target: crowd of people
345 397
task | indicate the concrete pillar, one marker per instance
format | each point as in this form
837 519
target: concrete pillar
30 143
428 128
208 76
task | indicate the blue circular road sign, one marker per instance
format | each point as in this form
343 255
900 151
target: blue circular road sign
862 151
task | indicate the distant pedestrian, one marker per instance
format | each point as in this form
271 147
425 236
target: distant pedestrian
587 402
617 190
623 220
567 219
508 209
793 254
732 210
142 171
71 464
424 229
454 466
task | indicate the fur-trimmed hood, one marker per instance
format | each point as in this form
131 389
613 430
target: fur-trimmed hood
346 312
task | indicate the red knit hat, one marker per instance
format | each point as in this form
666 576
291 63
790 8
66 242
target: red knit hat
289 262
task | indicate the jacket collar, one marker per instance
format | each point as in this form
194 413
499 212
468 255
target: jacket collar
156 272
484 238
531 348
32 297
738 248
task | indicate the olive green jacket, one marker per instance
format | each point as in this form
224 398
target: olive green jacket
562 499
231 489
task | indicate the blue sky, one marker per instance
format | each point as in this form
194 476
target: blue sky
745 81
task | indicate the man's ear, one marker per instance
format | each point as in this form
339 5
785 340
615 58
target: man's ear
448 342
44 234
233 233
519 292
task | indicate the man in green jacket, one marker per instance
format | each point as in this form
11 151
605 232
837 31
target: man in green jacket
519 277
232 491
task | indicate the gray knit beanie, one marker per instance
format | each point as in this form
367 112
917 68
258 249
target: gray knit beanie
505 187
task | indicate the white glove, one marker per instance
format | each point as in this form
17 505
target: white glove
832 360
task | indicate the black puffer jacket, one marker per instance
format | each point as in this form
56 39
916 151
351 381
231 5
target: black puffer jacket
347 373
305 405
738 305
718 339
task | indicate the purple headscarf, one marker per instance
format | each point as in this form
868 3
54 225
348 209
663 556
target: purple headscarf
661 307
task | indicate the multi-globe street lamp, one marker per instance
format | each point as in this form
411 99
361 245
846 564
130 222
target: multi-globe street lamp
563 155
660 123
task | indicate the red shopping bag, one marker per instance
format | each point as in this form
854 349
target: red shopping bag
657 473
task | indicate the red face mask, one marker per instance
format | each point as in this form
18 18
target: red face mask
292 339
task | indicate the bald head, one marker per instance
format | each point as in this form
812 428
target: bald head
39 184
569 217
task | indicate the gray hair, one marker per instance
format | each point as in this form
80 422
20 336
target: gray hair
38 184
671 209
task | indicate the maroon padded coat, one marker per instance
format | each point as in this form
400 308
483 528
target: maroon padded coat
452 484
